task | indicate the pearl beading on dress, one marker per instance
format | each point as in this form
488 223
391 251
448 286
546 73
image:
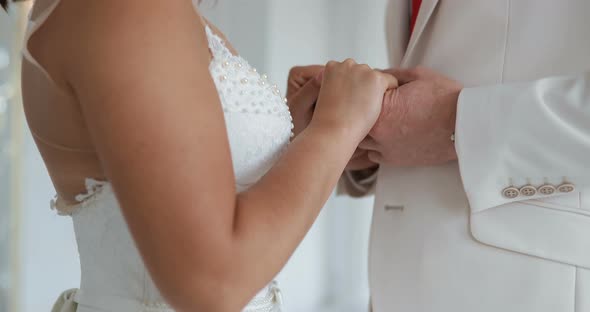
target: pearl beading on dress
241 88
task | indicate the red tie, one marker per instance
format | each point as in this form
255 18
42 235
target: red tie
415 9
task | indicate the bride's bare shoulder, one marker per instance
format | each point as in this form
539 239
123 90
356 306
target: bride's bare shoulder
108 32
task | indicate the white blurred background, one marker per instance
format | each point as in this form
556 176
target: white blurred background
38 256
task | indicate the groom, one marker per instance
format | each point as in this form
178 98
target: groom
481 159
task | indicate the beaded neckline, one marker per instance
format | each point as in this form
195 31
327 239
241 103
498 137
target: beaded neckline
241 88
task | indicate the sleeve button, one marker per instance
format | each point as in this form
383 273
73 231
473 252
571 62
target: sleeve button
510 192
547 189
528 190
566 188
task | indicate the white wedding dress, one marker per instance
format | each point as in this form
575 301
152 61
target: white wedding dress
113 276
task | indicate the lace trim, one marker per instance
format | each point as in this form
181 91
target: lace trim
273 300
94 189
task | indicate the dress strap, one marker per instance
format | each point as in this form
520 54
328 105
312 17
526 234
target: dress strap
34 23
217 45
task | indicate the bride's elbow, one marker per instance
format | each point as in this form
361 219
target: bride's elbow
205 286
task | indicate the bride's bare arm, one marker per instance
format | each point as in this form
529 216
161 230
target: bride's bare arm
140 71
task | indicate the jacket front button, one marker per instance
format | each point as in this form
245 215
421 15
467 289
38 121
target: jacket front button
528 190
547 189
510 192
566 188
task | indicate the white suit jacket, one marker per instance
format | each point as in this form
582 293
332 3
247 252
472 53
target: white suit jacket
507 227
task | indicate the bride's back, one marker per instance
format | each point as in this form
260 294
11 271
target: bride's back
52 110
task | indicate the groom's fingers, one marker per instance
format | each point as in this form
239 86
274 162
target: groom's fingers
375 157
360 164
306 71
360 161
300 75
405 75
301 103
306 96
369 144
358 153
391 81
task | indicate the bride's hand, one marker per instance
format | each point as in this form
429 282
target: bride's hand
351 98
303 88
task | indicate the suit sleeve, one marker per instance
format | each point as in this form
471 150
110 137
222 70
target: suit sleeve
524 140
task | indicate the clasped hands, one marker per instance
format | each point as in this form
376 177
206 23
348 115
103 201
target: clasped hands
416 122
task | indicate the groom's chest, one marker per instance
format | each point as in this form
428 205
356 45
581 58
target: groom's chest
485 42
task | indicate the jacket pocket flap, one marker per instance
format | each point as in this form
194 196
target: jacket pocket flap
548 232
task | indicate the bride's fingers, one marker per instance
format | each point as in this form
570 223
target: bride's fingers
369 144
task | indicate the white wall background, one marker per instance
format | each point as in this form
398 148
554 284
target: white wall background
328 271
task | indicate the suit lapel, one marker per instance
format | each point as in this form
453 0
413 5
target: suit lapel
424 15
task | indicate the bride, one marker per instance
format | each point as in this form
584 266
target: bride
173 157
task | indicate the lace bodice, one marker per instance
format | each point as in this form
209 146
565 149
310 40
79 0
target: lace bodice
259 127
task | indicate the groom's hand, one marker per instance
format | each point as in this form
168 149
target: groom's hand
417 120
303 88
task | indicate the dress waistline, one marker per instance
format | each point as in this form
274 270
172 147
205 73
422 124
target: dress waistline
68 302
